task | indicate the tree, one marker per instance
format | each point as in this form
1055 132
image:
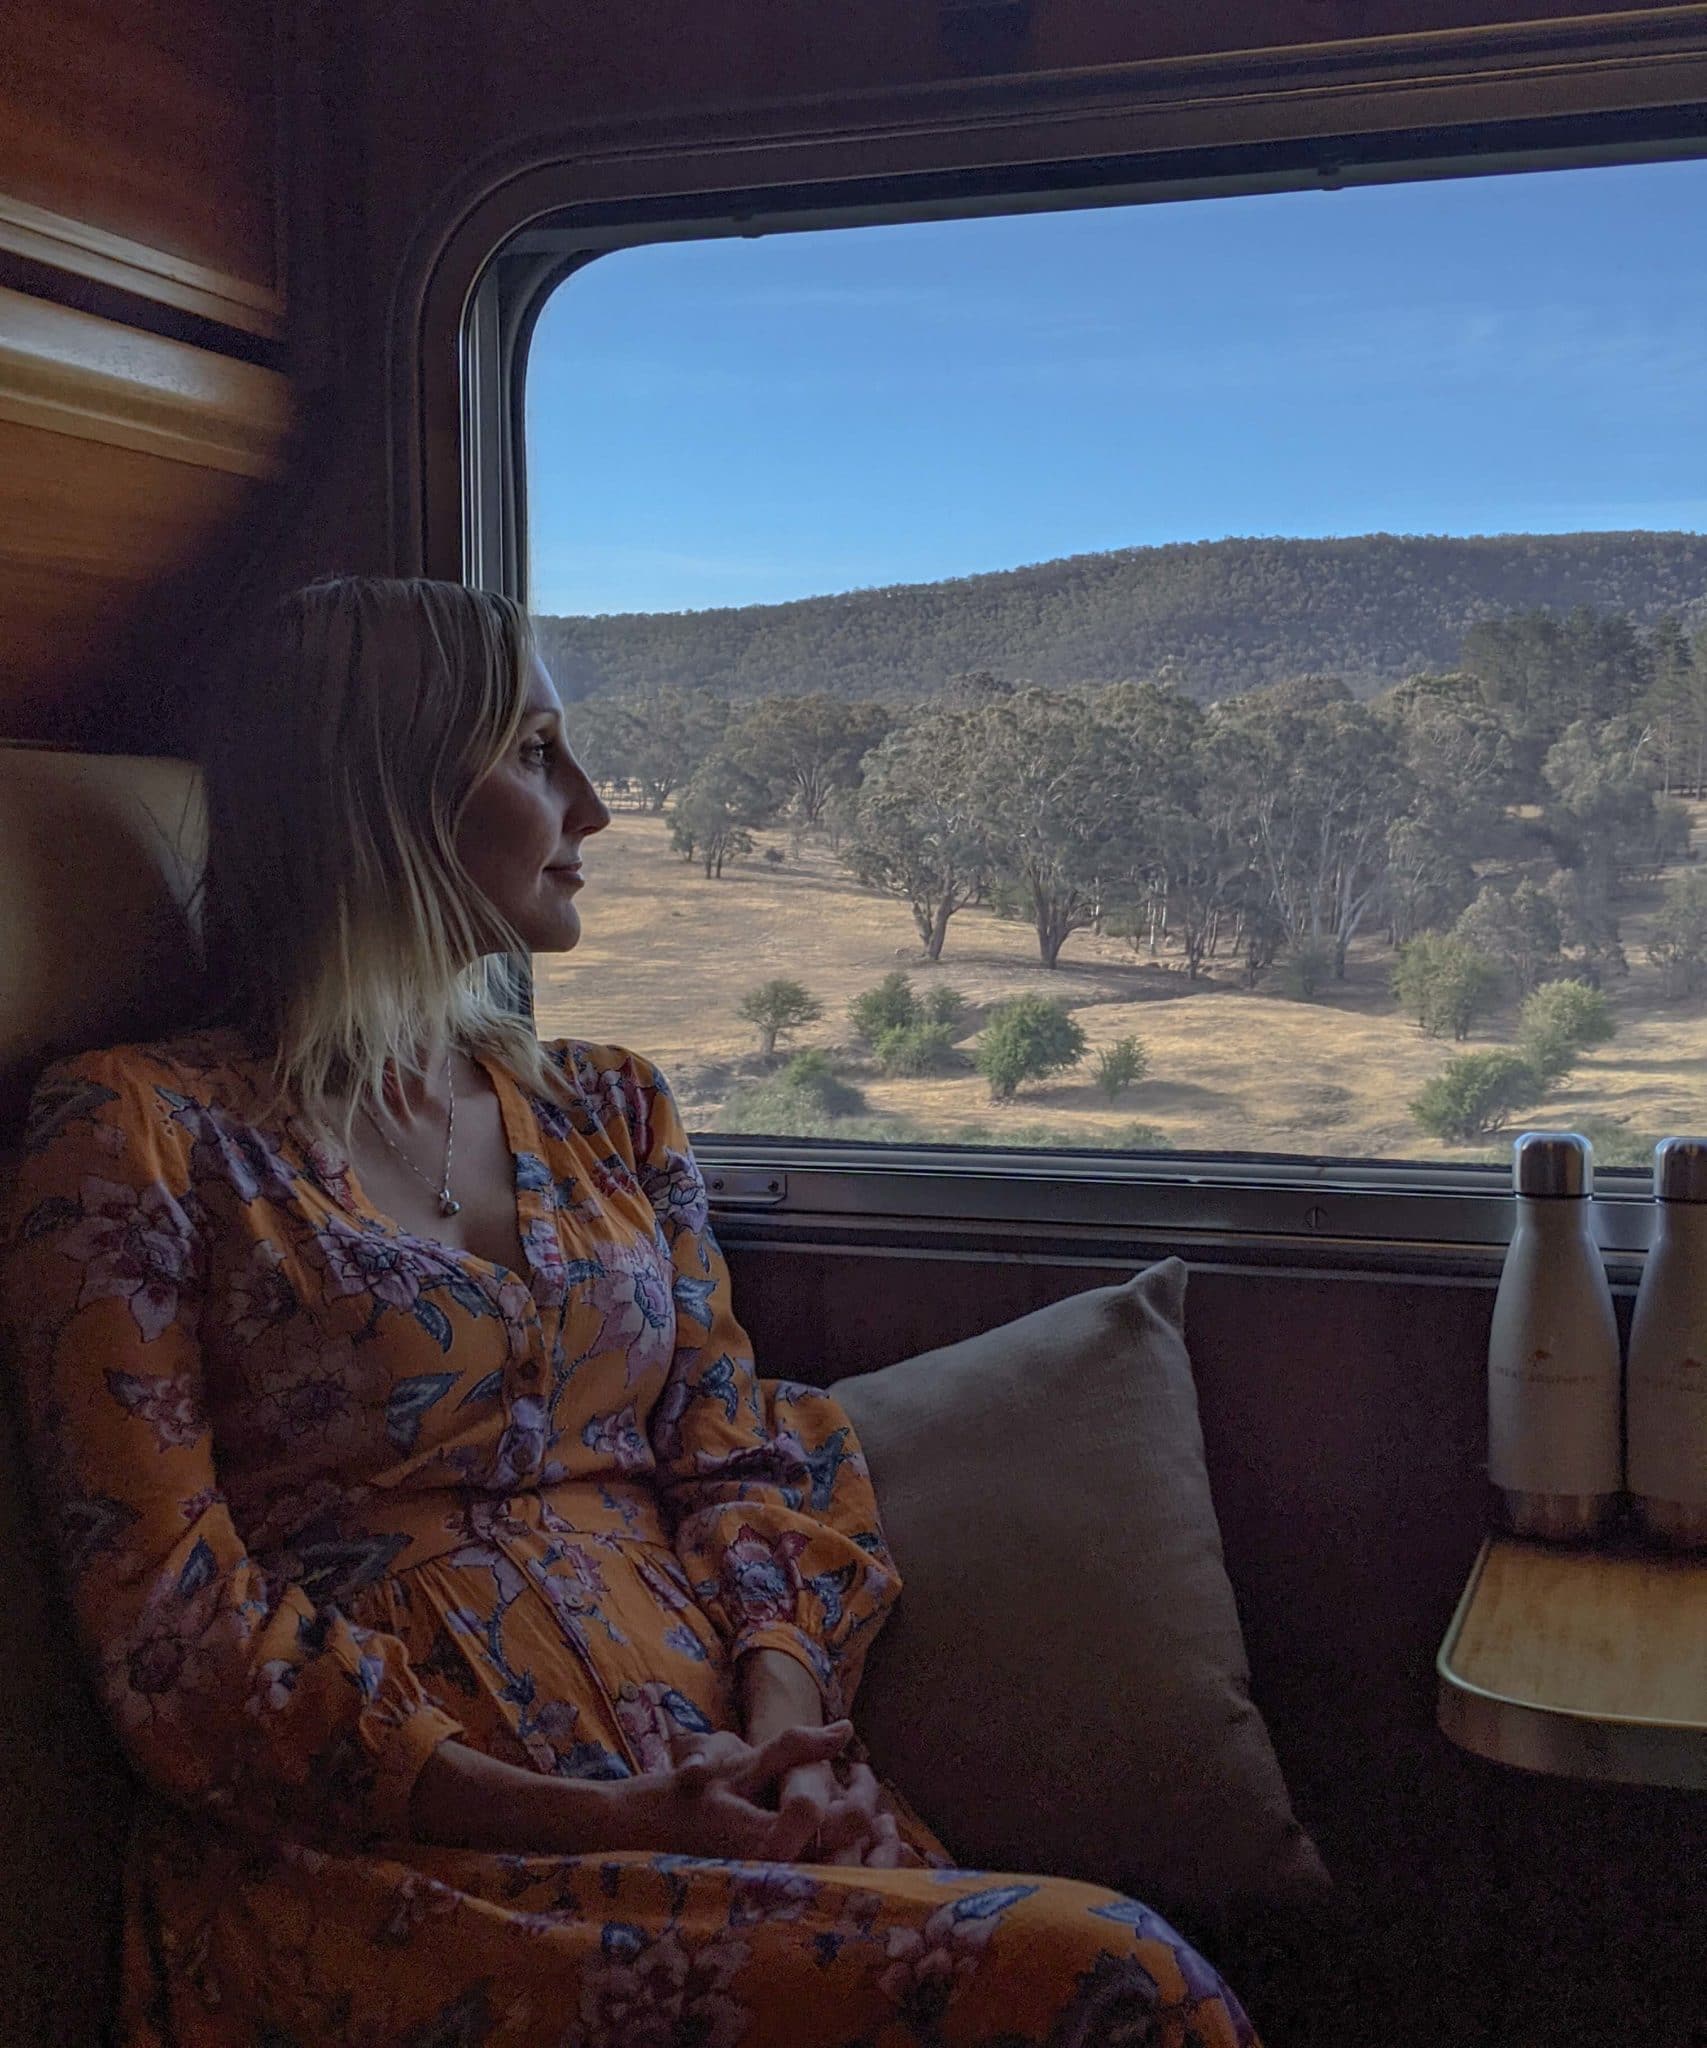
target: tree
1322 784
1546 673
1189 842
1444 983
1430 878
1461 771
803 749
916 833
1474 1095
656 739
1027 1039
778 1006
1588 928
1120 1066
1675 704
1601 816
1677 943
1059 796
890 1006
1518 929
713 817
1561 1022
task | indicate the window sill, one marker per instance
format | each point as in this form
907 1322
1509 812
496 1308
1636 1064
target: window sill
1267 1209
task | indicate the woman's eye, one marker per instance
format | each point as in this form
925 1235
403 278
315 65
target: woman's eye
537 751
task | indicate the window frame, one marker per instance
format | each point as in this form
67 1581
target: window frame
1302 1211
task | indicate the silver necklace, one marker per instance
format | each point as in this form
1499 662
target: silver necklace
448 1204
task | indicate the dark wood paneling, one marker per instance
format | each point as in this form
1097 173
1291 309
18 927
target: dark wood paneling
124 459
1344 1425
152 120
86 532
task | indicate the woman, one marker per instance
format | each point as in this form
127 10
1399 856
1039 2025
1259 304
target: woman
479 1627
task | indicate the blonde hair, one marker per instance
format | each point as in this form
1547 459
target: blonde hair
336 912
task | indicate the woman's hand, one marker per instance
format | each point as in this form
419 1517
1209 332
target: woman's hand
726 1797
853 1822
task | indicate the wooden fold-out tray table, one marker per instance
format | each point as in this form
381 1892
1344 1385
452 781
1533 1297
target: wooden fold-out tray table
1586 1663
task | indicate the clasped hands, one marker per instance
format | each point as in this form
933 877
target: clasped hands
790 1798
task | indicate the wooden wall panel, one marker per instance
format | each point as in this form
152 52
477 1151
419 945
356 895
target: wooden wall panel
86 530
137 144
124 458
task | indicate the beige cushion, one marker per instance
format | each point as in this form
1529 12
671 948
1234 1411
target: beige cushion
98 860
1063 1685
99 855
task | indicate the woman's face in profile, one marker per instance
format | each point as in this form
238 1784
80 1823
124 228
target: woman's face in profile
522 827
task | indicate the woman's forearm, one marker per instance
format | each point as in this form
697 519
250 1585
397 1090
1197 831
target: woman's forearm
777 1692
467 1800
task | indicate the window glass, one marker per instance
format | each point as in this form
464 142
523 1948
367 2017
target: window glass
1227 676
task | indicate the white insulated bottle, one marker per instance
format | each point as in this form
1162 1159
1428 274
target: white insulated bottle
1666 1396
1553 1356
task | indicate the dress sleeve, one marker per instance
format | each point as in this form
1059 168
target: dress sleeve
231 1691
764 1483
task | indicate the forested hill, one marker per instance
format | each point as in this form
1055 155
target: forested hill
1215 617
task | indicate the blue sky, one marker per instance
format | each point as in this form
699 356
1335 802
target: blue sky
739 422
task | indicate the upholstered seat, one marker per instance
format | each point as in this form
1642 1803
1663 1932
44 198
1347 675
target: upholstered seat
97 860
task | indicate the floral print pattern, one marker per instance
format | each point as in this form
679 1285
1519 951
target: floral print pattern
328 1493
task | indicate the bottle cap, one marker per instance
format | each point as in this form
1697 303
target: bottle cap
1680 1170
1552 1163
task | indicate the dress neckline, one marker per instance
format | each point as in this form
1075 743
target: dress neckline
345 1186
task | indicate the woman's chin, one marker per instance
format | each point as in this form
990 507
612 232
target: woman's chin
559 933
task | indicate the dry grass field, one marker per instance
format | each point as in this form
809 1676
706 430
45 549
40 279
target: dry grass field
667 956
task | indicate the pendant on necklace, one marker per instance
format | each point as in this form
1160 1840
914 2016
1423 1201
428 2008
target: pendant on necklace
448 1206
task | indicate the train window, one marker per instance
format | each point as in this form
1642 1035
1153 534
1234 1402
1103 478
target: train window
1218 678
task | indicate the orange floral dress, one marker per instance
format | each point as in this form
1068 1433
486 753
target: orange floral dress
327 1493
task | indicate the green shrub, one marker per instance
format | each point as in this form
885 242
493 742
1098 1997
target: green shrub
1027 1040
1677 942
1008 900
946 1006
1474 1095
1120 1066
1560 1022
890 1006
1519 930
811 1075
777 1006
1445 984
917 1049
1308 966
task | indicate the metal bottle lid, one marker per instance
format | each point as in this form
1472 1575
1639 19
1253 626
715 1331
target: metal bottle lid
1552 1163
1680 1170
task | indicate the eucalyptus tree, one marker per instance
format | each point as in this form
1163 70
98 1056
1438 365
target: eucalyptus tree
807 748
655 739
1057 792
1319 784
916 832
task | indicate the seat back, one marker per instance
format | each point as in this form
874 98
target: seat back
98 857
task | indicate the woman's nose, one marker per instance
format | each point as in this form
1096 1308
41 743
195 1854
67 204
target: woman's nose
588 811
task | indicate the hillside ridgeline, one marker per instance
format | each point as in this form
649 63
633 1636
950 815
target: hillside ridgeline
1214 618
